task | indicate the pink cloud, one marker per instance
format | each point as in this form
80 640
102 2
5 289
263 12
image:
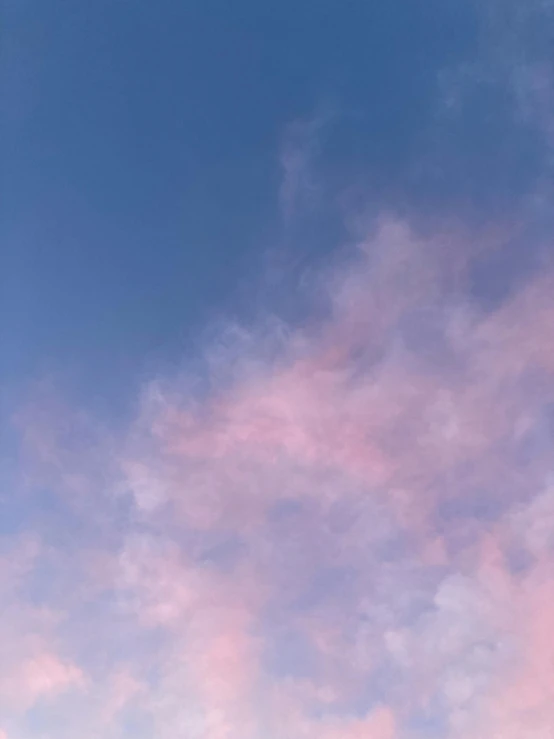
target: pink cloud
46 674
325 546
378 725
122 688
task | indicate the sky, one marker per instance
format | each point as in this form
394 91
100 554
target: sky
276 370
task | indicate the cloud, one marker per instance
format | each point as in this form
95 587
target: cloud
506 88
300 186
349 536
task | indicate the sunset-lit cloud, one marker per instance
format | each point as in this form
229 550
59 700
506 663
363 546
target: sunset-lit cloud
352 538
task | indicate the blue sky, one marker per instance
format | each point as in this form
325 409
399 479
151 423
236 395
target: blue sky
276 310
143 155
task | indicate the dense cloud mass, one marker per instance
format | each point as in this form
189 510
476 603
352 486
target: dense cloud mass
346 531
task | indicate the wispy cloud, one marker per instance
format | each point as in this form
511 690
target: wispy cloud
300 152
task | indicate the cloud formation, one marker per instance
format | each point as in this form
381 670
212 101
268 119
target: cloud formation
349 535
